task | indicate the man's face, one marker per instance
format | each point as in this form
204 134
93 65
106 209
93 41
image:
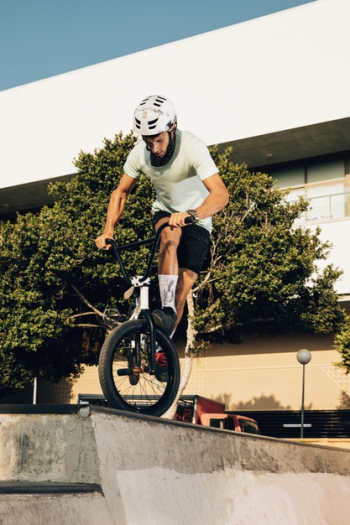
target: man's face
157 145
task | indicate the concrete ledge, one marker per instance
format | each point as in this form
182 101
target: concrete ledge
25 487
119 468
56 447
339 443
39 409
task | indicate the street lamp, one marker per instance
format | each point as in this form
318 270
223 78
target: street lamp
35 387
304 357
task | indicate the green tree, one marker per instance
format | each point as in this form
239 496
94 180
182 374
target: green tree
264 275
342 344
55 284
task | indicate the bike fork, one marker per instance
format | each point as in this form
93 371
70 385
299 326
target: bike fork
145 313
150 323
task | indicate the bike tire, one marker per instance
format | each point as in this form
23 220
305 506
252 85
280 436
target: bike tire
141 393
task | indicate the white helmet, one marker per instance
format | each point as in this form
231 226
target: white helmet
154 115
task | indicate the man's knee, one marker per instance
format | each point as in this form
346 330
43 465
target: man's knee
169 239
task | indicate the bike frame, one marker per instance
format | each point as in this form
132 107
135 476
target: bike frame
142 282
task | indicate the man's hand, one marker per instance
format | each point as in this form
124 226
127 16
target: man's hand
101 241
177 220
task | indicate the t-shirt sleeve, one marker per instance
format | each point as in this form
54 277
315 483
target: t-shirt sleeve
201 159
132 164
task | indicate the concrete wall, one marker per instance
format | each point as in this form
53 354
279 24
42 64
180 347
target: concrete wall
155 472
48 447
196 476
336 233
263 373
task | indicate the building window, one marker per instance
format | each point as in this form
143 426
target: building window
325 171
290 177
324 184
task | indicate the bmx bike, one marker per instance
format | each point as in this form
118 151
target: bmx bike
139 368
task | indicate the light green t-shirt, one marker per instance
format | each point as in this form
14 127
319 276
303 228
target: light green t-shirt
178 183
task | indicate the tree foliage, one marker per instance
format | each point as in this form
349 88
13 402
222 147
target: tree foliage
264 274
342 344
55 284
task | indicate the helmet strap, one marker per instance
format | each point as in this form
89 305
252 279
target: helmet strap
170 149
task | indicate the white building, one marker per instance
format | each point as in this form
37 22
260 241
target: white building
276 89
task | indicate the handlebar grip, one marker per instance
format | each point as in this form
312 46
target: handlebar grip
113 244
189 220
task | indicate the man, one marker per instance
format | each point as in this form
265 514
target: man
187 184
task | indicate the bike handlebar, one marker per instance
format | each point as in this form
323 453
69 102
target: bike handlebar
135 244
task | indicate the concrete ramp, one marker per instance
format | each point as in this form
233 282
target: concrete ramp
101 466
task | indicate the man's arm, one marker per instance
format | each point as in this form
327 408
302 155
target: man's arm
217 200
115 209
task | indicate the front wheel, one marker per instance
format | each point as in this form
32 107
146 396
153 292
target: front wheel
126 379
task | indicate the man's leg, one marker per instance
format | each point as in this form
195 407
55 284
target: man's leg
192 252
187 278
167 276
195 242
169 242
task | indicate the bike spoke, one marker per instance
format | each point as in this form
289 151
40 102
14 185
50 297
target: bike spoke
148 387
125 362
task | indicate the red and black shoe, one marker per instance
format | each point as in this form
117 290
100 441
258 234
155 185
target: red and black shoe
161 370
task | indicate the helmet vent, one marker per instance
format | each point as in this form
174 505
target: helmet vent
152 124
158 101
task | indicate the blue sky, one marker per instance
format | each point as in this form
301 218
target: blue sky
43 38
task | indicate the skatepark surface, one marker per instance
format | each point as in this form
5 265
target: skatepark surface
91 465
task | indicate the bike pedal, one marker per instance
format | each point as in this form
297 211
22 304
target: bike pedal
125 372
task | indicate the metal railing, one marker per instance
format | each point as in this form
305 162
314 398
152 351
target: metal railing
327 207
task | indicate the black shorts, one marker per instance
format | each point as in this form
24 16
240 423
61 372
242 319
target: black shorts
193 251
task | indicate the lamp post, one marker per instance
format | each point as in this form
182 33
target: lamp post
304 357
35 387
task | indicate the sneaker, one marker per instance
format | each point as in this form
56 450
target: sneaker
161 371
165 318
